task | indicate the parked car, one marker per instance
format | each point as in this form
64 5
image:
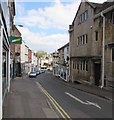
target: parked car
32 74
37 72
42 70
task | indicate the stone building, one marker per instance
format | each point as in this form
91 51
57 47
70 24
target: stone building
107 17
86 36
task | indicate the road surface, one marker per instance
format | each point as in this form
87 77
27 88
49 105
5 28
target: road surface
70 102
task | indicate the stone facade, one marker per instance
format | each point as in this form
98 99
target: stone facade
86 44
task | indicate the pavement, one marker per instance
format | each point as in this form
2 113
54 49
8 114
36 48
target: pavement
26 100
92 89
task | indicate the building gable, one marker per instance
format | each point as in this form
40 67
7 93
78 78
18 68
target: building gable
85 6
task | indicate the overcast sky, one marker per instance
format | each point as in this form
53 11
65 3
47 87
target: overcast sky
45 24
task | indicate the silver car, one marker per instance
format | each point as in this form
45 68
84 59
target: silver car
32 74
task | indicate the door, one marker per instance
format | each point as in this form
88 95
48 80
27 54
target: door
97 73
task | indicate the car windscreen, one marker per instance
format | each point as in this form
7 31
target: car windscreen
33 72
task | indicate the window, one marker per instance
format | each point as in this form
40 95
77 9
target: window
86 15
96 35
78 66
81 66
86 65
112 54
83 17
4 69
80 18
75 65
86 38
80 40
83 39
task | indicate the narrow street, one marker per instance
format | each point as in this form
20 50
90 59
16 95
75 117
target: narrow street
56 59
75 103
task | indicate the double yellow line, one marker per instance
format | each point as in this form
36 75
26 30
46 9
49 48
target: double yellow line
55 104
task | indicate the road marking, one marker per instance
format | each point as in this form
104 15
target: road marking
86 103
55 104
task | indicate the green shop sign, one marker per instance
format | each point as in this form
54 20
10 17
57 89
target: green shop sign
15 40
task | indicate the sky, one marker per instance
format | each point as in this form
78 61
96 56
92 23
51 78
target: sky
46 24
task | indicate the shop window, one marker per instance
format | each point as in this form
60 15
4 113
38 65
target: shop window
4 71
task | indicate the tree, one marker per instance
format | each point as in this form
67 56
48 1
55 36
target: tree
41 53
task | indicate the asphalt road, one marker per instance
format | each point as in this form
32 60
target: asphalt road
76 103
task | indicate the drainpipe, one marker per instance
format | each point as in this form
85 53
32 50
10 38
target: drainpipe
103 50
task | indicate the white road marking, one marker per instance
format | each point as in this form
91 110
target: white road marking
86 103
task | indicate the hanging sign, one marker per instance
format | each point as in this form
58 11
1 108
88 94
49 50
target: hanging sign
15 40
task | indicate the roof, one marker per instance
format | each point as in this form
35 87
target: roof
63 46
105 5
15 28
93 5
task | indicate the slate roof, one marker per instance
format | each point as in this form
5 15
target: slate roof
63 46
105 5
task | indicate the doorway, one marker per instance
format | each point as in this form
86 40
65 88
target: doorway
97 73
